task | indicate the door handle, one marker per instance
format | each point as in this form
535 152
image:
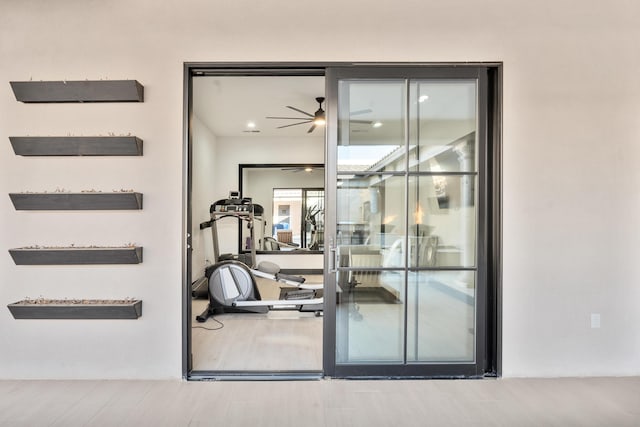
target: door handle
333 257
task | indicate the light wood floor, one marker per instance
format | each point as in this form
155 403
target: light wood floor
292 341
274 341
335 403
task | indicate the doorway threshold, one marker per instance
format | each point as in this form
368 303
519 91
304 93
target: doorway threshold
255 376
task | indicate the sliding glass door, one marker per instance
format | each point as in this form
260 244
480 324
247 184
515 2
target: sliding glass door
406 221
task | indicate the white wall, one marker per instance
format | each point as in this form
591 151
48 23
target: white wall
571 144
216 170
204 148
233 151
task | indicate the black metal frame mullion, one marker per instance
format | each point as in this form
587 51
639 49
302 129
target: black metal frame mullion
482 220
407 135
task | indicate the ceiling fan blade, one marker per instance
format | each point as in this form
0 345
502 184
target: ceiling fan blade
313 126
300 111
366 122
287 118
357 112
294 124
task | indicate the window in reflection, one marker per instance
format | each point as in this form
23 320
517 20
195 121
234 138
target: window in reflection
293 219
298 219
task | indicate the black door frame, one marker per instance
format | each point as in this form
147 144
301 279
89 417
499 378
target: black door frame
480 366
491 365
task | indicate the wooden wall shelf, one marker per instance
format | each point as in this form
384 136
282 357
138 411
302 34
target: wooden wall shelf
76 201
76 256
88 310
76 145
78 91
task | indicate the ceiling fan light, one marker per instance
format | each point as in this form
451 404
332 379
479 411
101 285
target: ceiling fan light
316 119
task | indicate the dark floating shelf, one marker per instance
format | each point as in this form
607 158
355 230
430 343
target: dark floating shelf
76 256
79 91
89 310
76 145
76 201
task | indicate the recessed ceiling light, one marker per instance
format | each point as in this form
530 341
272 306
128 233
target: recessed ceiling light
377 124
308 169
251 125
423 98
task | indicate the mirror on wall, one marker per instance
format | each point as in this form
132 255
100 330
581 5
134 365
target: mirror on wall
292 201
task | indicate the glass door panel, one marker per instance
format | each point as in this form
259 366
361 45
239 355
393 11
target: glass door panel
441 316
370 211
370 314
370 236
405 221
371 126
443 126
442 221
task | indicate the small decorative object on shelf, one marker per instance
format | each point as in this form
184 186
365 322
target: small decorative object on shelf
78 91
88 200
76 255
76 145
42 308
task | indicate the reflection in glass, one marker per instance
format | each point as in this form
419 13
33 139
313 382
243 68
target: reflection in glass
370 317
293 219
370 211
298 220
371 125
313 237
440 316
442 221
287 216
443 126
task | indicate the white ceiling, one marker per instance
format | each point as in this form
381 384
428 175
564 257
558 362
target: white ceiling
226 104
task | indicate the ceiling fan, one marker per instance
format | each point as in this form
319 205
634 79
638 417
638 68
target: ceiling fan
317 118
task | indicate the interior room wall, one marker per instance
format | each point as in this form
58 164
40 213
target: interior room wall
571 99
202 195
233 151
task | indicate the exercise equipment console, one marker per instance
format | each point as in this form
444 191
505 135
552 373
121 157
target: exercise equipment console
235 207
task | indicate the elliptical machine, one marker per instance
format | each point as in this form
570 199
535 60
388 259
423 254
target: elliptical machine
232 288
230 283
